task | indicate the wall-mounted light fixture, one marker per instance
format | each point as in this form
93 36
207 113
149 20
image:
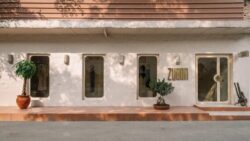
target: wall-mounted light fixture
10 59
121 59
66 60
243 54
177 60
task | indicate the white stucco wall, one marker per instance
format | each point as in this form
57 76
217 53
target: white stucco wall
120 81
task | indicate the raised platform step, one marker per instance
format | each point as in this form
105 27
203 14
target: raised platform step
102 114
224 108
229 112
122 114
229 115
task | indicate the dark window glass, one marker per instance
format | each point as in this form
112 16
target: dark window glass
207 86
147 73
94 71
224 79
40 81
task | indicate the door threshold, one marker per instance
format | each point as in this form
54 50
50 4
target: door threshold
222 108
216 105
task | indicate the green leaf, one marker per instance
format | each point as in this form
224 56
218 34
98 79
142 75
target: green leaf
25 69
161 87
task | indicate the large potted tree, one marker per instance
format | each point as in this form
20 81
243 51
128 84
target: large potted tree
161 88
24 69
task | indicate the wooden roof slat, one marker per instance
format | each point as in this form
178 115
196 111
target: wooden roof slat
123 6
120 11
130 15
123 1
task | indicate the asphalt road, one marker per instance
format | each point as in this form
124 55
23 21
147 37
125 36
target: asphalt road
125 131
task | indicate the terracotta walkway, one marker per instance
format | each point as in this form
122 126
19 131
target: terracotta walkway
102 114
116 114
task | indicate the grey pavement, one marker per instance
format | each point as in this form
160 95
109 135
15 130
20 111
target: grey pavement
125 131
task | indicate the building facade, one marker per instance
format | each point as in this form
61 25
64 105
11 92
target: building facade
105 53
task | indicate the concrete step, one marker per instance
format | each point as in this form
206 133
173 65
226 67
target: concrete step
229 115
103 114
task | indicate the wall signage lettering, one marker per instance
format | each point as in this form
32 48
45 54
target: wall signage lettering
178 74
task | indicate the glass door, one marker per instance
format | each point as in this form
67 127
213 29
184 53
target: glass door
213 78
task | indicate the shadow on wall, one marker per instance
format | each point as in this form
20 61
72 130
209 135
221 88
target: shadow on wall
69 8
108 9
184 92
111 9
13 9
120 86
6 68
242 75
95 9
65 89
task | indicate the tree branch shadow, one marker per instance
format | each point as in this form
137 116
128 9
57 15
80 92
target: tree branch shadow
6 68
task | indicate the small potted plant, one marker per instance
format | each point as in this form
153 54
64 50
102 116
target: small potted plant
25 69
162 88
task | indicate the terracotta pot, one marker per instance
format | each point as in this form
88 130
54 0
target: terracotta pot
161 107
23 102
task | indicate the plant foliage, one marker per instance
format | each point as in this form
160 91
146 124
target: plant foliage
162 88
25 69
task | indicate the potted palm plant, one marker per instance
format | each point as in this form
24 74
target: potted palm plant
162 88
25 69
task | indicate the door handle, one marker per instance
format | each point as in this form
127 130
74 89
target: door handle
218 78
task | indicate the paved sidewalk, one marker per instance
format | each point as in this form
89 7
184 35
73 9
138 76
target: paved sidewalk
126 131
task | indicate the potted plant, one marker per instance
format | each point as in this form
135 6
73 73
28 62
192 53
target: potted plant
25 69
162 88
